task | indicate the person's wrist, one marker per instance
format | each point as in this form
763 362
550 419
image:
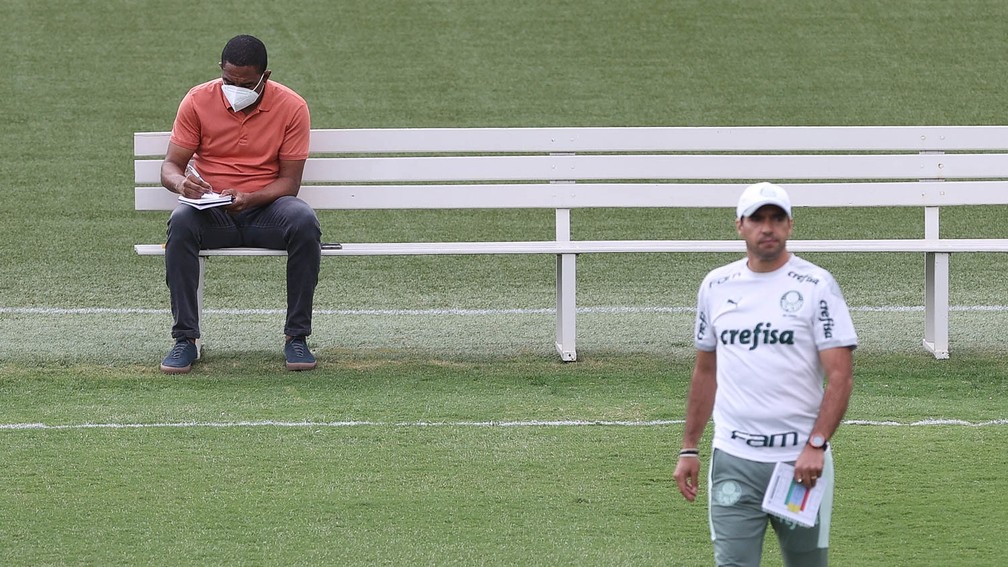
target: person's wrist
818 442
689 453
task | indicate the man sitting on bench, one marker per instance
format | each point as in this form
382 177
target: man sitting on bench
247 137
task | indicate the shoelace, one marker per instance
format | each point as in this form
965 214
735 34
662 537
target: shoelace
179 349
299 347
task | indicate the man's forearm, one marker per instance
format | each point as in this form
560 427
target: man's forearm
171 176
278 188
700 401
698 413
833 408
839 386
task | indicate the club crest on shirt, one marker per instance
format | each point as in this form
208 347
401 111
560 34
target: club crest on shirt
792 301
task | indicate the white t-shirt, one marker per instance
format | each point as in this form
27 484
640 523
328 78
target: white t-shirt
768 329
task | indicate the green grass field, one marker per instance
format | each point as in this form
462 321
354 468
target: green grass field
440 429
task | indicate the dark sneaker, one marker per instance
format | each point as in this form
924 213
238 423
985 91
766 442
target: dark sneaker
180 358
298 355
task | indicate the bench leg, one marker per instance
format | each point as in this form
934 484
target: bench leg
566 287
199 304
936 304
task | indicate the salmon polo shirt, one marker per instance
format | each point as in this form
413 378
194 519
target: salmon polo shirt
239 151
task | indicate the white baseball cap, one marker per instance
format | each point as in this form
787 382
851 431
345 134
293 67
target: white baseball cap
755 196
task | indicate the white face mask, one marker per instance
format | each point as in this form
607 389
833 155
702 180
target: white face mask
240 97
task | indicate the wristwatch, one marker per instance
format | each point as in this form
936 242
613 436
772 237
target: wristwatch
818 442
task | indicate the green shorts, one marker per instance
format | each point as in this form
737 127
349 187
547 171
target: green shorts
738 522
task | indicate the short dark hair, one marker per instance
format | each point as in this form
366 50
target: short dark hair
245 50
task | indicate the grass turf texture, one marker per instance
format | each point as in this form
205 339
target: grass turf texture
456 493
81 77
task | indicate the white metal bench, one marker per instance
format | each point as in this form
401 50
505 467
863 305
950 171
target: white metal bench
570 168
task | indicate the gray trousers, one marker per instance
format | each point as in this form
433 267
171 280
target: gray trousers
738 522
286 224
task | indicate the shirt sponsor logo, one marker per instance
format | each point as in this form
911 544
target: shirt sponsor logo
803 277
723 279
762 333
785 439
826 320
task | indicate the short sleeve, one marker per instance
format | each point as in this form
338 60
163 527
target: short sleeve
703 334
186 129
297 135
831 318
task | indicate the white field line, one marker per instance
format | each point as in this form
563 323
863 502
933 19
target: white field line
59 311
423 424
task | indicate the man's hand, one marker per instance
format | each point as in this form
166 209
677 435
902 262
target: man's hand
241 200
192 186
809 466
687 476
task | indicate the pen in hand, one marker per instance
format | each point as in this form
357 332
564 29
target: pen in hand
191 171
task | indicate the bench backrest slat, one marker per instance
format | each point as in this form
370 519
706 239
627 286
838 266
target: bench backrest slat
587 195
610 167
678 139
644 139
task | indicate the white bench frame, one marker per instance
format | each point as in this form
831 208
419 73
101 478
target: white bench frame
570 168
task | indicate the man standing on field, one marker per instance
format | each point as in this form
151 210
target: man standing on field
769 328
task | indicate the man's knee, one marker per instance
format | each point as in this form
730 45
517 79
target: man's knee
816 557
301 218
802 546
182 219
738 552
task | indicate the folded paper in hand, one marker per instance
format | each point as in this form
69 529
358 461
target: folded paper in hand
208 200
790 500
